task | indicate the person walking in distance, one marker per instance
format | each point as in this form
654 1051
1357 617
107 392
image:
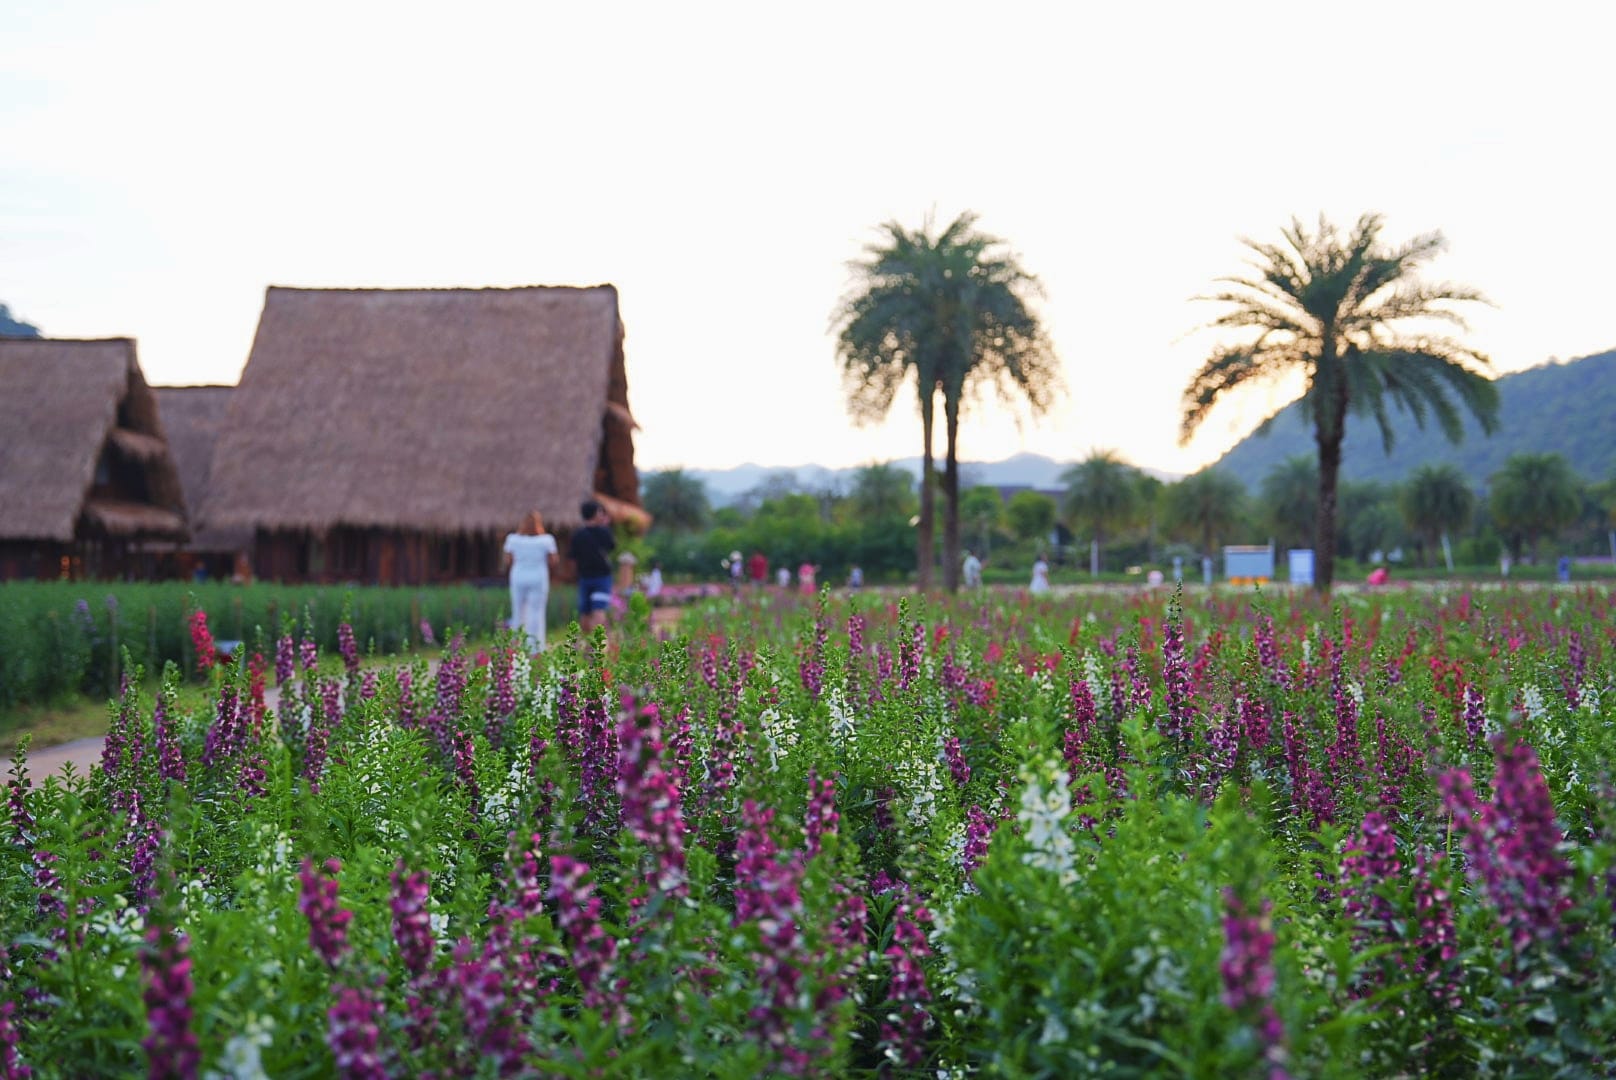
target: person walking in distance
972 571
530 552
590 549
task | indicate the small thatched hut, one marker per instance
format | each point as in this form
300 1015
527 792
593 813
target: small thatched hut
193 417
397 435
86 478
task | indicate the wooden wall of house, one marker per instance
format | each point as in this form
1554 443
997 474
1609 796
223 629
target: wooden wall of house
24 560
375 556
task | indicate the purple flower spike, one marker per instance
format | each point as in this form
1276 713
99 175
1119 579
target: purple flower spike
171 1047
328 922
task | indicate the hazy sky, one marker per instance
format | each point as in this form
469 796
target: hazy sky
161 163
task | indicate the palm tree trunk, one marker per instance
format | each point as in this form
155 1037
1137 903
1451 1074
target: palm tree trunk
1324 528
928 497
951 516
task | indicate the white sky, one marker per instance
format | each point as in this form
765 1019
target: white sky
161 163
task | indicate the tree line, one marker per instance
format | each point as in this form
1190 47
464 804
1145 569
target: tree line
1133 519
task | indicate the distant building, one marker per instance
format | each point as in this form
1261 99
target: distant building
193 418
88 487
396 436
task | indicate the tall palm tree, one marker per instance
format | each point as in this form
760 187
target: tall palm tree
1334 307
1435 499
949 311
1102 494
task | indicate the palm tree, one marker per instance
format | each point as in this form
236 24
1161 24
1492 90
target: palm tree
951 312
1435 499
676 500
1102 494
1534 495
1333 307
1289 494
1207 505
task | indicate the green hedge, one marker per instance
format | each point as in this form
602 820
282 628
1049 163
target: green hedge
63 638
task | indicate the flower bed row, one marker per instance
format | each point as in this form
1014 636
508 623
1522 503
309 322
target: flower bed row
995 836
61 638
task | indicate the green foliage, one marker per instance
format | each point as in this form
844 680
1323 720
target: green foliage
1031 515
675 500
1436 499
1206 507
1049 876
1535 495
1103 495
63 638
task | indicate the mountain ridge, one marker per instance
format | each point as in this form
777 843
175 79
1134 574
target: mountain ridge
1564 407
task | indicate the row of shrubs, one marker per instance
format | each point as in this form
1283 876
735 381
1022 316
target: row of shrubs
59 638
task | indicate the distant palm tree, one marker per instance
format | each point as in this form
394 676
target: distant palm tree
1435 499
1289 494
1208 505
676 500
1535 495
1333 308
951 312
1103 495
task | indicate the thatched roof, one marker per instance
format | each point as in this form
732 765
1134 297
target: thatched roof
62 404
444 410
193 417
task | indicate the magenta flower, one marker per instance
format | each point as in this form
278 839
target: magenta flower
12 1066
1512 844
202 641
978 837
1248 977
227 733
649 799
903 1032
170 1045
285 658
821 818
1372 863
412 925
593 951
1178 723
354 1034
348 649
465 760
328 921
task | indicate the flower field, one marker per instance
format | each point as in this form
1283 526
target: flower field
1093 836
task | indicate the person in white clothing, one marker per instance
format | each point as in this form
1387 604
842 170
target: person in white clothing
1040 575
530 552
972 571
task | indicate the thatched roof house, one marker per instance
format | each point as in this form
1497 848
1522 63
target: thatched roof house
397 435
85 471
193 417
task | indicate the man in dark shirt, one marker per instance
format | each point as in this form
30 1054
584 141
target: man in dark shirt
590 548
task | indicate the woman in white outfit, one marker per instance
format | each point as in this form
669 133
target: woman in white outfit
1040 575
530 552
